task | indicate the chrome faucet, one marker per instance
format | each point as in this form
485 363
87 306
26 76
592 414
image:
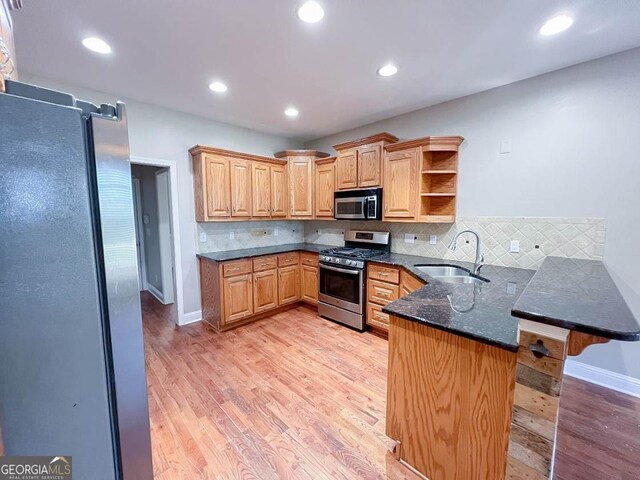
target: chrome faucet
479 257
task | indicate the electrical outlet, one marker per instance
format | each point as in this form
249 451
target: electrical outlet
203 237
433 239
232 235
514 246
409 238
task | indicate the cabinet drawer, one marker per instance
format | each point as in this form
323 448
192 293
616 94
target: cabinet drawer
376 317
237 267
382 292
264 263
286 259
386 274
310 259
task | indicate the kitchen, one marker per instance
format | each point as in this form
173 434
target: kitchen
327 263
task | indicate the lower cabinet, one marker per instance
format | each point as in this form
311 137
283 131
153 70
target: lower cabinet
265 290
238 298
239 291
288 284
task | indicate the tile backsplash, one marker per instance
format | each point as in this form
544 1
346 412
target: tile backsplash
247 234
538 236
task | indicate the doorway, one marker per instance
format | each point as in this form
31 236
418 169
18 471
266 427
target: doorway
154 231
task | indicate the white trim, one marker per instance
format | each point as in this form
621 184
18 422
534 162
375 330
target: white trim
163 200
175 220
604 378
191 317
155 292
140 230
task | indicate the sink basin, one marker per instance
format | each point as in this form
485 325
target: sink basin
450 274
443 271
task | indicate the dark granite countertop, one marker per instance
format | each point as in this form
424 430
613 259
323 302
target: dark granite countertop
577 295
260 251
480 312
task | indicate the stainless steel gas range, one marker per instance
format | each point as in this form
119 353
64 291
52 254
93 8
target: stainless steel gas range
342 294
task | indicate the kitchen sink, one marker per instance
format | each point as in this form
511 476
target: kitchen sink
450 274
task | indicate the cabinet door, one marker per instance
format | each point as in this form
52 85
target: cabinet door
288 284
265 290
400 184
347 170
218 191
301 186
261 190
240 188
278 191
409 284
370 166
309 284
238 297
325 188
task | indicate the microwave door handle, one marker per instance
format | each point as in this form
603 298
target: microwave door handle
365 209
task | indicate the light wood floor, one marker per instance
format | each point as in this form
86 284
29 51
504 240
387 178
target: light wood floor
297 397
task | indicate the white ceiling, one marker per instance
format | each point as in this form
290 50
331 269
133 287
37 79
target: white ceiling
166 52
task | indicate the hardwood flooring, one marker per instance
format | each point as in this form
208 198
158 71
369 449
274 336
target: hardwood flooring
298 397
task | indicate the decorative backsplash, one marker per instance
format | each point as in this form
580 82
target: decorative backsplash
539 237
248 234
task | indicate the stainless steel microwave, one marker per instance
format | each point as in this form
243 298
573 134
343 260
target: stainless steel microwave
358 204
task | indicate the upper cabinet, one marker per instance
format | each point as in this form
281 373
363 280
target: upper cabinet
421 180
240 174
325 186
359 163
301 170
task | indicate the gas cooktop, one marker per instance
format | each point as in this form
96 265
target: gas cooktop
359 253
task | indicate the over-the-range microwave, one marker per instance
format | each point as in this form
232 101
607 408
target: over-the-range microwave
358 204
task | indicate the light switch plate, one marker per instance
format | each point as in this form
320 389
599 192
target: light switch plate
505 146
409 238
514 246
433 239
203 237
232 235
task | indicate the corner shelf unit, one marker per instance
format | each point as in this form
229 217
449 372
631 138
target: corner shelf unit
439 179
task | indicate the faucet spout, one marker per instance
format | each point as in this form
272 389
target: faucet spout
479 257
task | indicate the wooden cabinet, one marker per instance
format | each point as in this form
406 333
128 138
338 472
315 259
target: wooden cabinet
279 190
409 283
400 197
240 188
238 297
261 182
265 290
288 284
309 277
421 179
325 187
217 189
359 163
347 170
382 288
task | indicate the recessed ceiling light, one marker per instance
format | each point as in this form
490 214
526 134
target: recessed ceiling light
291 112
96 45
310 12
387 70
556 25
218 87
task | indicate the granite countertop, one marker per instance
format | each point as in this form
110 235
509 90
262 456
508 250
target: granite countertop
260 251
480 312
578 295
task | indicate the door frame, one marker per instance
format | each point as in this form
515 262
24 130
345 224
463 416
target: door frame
163 198
175 227
140 230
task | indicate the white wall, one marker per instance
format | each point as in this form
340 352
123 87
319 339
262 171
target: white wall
575 137
160 133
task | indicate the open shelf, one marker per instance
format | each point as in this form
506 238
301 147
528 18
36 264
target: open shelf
441 183
439 172
440 160
438 205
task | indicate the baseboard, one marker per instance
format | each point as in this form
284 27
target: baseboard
191 317
604 378
155 292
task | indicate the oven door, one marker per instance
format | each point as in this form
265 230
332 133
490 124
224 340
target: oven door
350 207
341 287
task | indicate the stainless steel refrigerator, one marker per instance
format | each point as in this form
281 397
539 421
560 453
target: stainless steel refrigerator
72 369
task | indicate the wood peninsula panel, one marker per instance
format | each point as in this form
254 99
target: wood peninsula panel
449 402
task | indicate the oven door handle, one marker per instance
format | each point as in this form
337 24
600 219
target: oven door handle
341 270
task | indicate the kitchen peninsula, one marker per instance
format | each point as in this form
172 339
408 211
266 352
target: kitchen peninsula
473 392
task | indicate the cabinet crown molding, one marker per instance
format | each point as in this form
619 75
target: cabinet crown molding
441 143
300 153
378 137
195 150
